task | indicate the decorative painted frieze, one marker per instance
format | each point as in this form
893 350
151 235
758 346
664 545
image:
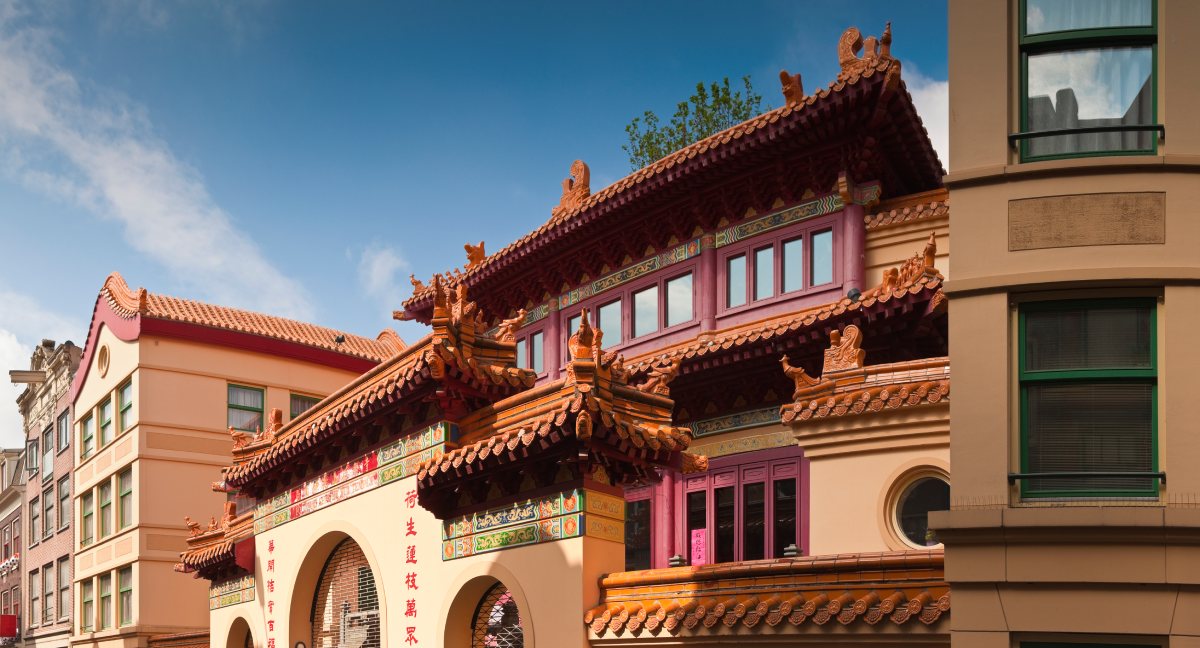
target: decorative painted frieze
382 466
568 514
745 444
731 422
231 592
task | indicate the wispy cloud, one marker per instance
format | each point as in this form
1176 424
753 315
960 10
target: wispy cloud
82 144
932 100
23 323
382 274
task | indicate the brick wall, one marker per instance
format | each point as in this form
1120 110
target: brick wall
347 605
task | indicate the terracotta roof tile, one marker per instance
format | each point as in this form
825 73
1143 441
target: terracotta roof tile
873 389
911 213
130 303
855 590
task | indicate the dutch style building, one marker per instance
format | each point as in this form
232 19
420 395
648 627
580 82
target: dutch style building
46 561
707 403
12 587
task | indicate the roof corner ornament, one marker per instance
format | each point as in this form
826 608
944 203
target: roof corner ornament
229 516
921 264
661 375
874 51
508 328
417 284
475 254
583 339
122 296
193 527
845 351
576 189
274 426
793 88
240 439
800 379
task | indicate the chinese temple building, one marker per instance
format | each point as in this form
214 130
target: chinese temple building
707 403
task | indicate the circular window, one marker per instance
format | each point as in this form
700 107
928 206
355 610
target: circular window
497 623
912 509
102 360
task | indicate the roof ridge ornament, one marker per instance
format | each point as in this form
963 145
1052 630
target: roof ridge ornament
874 51
793 88
122 296
475 254
844 352
918 265
576 189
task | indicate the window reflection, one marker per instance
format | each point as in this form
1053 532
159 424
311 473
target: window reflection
645 311
764 273
535 352
609 321
679 300
735 278
822 258
793 265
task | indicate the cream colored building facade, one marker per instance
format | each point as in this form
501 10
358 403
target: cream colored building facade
161 385
1075 293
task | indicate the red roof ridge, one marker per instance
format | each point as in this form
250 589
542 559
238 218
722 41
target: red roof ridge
128 304
851 75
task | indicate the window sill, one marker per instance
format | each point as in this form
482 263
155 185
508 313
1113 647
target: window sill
1071 166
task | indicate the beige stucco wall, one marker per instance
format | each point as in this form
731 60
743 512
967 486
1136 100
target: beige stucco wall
553 583
176 447
888 247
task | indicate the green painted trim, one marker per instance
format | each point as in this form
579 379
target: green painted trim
1026 377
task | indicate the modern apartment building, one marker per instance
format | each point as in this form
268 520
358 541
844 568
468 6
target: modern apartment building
1075 296
46 409
166 387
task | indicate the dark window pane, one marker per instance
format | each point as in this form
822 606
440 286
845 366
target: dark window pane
679 300
610 322
723 506
645 311
697 515
1097 337
522 359
1090 426
785 515
754 513
822 258
921 497
1108 86
793 265
637 535
535 352
301 404
735 277
764 273
1042 16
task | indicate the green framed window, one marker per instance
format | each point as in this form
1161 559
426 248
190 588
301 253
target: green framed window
301 403
87 432
87 522
125 406
105 417
125 493
106 601
87 614
1088 78
1088 383
64 502
125 595
245 408
104 493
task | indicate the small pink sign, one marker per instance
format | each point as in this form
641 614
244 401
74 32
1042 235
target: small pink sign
698 547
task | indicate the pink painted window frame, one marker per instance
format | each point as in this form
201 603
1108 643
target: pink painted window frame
624 294
775 240
737 470
527 337
646 494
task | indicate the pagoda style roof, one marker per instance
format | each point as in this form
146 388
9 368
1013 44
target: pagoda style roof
592 414
863 592
211 551
868 104
871 388
454 357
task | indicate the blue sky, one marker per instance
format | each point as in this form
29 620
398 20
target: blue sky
302 158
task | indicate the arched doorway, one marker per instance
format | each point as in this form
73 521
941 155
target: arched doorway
345 610
497 621
240 635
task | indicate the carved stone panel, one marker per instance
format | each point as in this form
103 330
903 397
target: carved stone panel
1087 219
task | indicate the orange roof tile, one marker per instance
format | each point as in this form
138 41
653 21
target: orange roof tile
130 303
872 389
900 214
213 547
856 590
884 67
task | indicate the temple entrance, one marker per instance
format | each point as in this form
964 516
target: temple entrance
345 610
240 635
497 621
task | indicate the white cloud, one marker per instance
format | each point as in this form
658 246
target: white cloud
98 150
381 271
932 100
23 324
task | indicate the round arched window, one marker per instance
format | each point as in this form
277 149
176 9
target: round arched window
912 509
497 622
345 608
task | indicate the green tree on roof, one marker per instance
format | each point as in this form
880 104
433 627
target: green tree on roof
709 111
